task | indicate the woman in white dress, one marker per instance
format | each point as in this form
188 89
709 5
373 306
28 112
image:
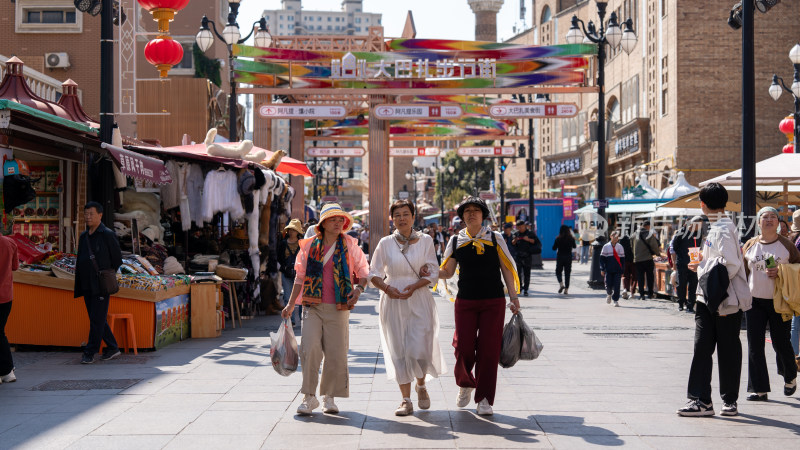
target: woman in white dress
409 324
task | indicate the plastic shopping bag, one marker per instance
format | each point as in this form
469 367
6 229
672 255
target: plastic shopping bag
283 350
530 345
509 351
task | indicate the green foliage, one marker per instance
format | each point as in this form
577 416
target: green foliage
205 67
461 182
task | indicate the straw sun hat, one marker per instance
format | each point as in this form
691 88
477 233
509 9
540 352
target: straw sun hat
334 209
295 225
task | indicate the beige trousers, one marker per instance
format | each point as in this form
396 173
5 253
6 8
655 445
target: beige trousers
325 335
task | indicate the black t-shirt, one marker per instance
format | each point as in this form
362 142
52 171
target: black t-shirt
563 247
479 276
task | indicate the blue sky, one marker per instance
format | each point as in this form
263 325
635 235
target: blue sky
434 19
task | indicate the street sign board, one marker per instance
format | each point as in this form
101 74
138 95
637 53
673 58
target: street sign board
402 195
600 203
336 152
505 110
414 151
330 198
488 196
301 111
570 194
417 111
486 151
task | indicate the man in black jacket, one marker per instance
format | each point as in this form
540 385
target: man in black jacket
525 242
102 243
690 236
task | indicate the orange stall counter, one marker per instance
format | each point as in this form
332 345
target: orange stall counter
44 312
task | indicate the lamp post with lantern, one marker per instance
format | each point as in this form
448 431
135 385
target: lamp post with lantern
612 34
775 91
231 35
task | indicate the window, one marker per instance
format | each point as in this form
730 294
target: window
329 18
329 28
291 18
664 102
186 66
319 19
47 16
546 15
358 19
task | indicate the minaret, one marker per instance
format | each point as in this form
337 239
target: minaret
485 18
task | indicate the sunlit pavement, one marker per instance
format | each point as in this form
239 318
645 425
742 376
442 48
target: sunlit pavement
607 377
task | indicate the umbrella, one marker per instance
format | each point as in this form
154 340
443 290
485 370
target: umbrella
765 196
780 169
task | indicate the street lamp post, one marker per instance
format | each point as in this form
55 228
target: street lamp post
412 175
477 189
231 35
776 89
607 33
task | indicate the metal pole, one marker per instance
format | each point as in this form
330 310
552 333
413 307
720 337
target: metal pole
477 191
441 195
502 192
106 72
748 118
232 103
796 110
531 190
601 126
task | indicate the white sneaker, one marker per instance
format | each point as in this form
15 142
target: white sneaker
464 395
616 304
329 407
310 403
608 299
10 378
423 399
484 408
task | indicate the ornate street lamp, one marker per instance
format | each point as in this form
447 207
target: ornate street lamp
776 89
231 35
612 34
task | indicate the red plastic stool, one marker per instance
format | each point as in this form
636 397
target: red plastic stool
130 338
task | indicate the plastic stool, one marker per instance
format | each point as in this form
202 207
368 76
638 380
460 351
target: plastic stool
130 338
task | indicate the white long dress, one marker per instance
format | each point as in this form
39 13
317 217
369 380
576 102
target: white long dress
409 328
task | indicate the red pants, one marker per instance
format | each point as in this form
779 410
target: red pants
475 318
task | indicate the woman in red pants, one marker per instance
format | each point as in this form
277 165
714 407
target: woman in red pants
482 256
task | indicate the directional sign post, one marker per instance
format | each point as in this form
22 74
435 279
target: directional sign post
301 111
489 196
417 111
506 110
600 203
486 151
336 152
413 151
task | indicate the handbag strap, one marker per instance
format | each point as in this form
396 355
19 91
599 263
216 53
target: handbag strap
91 253
406 257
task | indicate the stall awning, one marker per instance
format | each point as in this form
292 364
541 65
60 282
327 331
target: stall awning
139 166
615 208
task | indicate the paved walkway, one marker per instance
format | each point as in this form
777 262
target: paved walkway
607 377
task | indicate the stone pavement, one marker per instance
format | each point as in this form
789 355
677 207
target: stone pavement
607 377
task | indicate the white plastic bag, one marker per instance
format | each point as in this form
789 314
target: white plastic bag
283 350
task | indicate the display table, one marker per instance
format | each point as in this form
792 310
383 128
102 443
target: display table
663 286
44 312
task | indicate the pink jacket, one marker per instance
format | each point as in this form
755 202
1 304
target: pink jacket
356 260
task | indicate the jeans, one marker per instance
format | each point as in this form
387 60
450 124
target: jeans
524 271
288 284
563 264
585 253
477 340
758 316
721 333
796 334
97 308
687 280
613 280
6 360
646 270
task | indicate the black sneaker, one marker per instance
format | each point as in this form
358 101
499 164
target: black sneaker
680 308
696 408
790 388
690 310
729 409
110 353
755 397
87 359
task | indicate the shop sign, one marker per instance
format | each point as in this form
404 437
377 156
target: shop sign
489 196
402 195
336 152
139 166
486 151
564 110
351 68
600 203
627 144
563 167
414 151
412 111
301 111
569 205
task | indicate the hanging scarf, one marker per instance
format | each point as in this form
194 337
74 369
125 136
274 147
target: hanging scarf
480 241
405 242
342 284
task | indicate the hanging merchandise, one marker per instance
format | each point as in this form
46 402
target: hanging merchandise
194 191
246 186
220 194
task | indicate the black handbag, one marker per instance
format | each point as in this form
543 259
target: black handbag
107 277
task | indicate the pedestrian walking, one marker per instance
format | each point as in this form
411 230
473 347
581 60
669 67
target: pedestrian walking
9 262
587 236
525 243
98 249
629 269
687 240
324 267
365 240
482 258
409 322
288 249
721 300
762 255
645 246
612 260
508 236
794 236
563 245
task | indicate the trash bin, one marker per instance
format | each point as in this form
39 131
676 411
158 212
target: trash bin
596 280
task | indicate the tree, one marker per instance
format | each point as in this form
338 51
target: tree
461 182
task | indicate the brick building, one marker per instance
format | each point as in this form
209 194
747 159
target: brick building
674 102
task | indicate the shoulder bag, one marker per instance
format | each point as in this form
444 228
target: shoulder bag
107 277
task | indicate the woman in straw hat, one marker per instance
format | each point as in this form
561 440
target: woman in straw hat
483 258
324 266
409 323
287 255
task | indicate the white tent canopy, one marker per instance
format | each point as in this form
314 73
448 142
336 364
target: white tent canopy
780 169
679 188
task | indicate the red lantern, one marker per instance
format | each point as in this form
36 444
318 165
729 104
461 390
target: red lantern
787 125
163 11
788 148
163 53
